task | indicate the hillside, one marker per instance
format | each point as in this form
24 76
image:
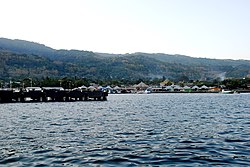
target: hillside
20 59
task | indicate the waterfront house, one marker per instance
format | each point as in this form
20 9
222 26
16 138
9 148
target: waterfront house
169 88
91 88
141 86
177 88
204 87
83 87
187 89
165 83
157 89
116 89
195 88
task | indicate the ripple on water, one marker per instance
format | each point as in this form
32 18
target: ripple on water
128 130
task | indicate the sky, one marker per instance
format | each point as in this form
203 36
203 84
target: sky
199 28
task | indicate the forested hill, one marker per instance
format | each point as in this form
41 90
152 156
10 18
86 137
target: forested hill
20 59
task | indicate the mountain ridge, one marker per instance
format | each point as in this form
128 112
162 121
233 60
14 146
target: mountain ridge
60 63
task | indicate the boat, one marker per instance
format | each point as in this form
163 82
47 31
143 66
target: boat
228 92
147 91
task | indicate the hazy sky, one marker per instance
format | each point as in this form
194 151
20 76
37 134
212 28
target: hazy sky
199 28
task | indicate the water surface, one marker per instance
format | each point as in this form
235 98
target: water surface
128 130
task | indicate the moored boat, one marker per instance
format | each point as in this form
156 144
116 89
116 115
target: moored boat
228 92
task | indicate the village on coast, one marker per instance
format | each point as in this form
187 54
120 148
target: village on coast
167 87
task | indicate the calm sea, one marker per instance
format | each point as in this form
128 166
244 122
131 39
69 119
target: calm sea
128 130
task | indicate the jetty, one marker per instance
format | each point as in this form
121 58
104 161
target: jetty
37 94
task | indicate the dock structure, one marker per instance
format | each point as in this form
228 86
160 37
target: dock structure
50 95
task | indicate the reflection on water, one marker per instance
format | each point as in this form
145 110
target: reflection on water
128 130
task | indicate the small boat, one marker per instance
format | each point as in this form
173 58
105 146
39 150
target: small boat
228 91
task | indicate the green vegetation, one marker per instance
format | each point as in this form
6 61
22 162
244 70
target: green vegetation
46 66
69 83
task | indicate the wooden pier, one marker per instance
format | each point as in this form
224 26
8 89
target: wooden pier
50 95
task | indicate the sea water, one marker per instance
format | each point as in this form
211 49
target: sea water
128 130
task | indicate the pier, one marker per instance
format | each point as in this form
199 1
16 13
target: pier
50 95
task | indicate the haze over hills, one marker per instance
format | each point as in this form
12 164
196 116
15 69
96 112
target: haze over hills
19 58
